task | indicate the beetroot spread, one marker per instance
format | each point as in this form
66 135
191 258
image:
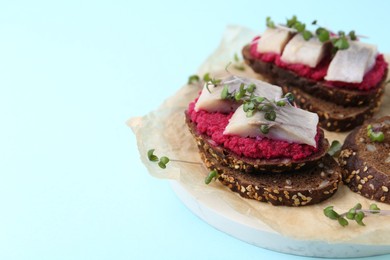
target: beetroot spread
370 80
213 125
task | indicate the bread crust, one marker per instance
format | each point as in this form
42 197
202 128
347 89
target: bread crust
227 158
297 188
362 172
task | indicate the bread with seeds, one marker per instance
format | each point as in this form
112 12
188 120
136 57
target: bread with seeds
366 163
294 188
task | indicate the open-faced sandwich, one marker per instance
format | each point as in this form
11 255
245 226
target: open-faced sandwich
334 75
365 160
260 144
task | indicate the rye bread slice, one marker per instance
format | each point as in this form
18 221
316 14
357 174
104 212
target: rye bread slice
229 159
366 164
333 117
341 96
296 188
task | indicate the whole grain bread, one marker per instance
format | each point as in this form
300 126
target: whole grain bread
227 158
341 96
366 164
333 117
294 188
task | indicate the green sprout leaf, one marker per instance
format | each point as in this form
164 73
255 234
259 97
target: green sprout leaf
300 27
212 175
374 207
307 35
341 43
236 58
292 21
342 221
193 79
270 115
352 35
151 156
359 218
225 92
322 34
206 77
162 165
334 148
270 23
251 88
330 213
264 129
375 136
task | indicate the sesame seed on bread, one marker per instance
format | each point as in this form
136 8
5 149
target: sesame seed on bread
295 188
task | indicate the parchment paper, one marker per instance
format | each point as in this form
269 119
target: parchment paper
164 129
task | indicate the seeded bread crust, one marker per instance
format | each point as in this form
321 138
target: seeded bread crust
333 117
231 160
341 96
298 188
367 172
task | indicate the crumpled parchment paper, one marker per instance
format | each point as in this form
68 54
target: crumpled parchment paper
164 129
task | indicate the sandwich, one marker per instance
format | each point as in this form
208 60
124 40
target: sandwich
260 144
337 76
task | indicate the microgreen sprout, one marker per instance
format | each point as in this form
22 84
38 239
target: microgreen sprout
356 213
238 64
264 129
375 136
164 160
212 175
322 34
334 148
206 77
269 22
193 79
339 41
253 103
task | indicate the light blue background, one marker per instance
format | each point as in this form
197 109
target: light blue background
72 185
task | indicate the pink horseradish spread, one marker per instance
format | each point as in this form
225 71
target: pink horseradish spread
213 125
370 80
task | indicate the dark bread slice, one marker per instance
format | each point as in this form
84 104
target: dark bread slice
229 159
297 188
340 96
333 117
366 164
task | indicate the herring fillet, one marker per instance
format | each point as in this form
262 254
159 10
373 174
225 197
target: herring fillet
273 40
292 124
308 53
352 64
212 101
